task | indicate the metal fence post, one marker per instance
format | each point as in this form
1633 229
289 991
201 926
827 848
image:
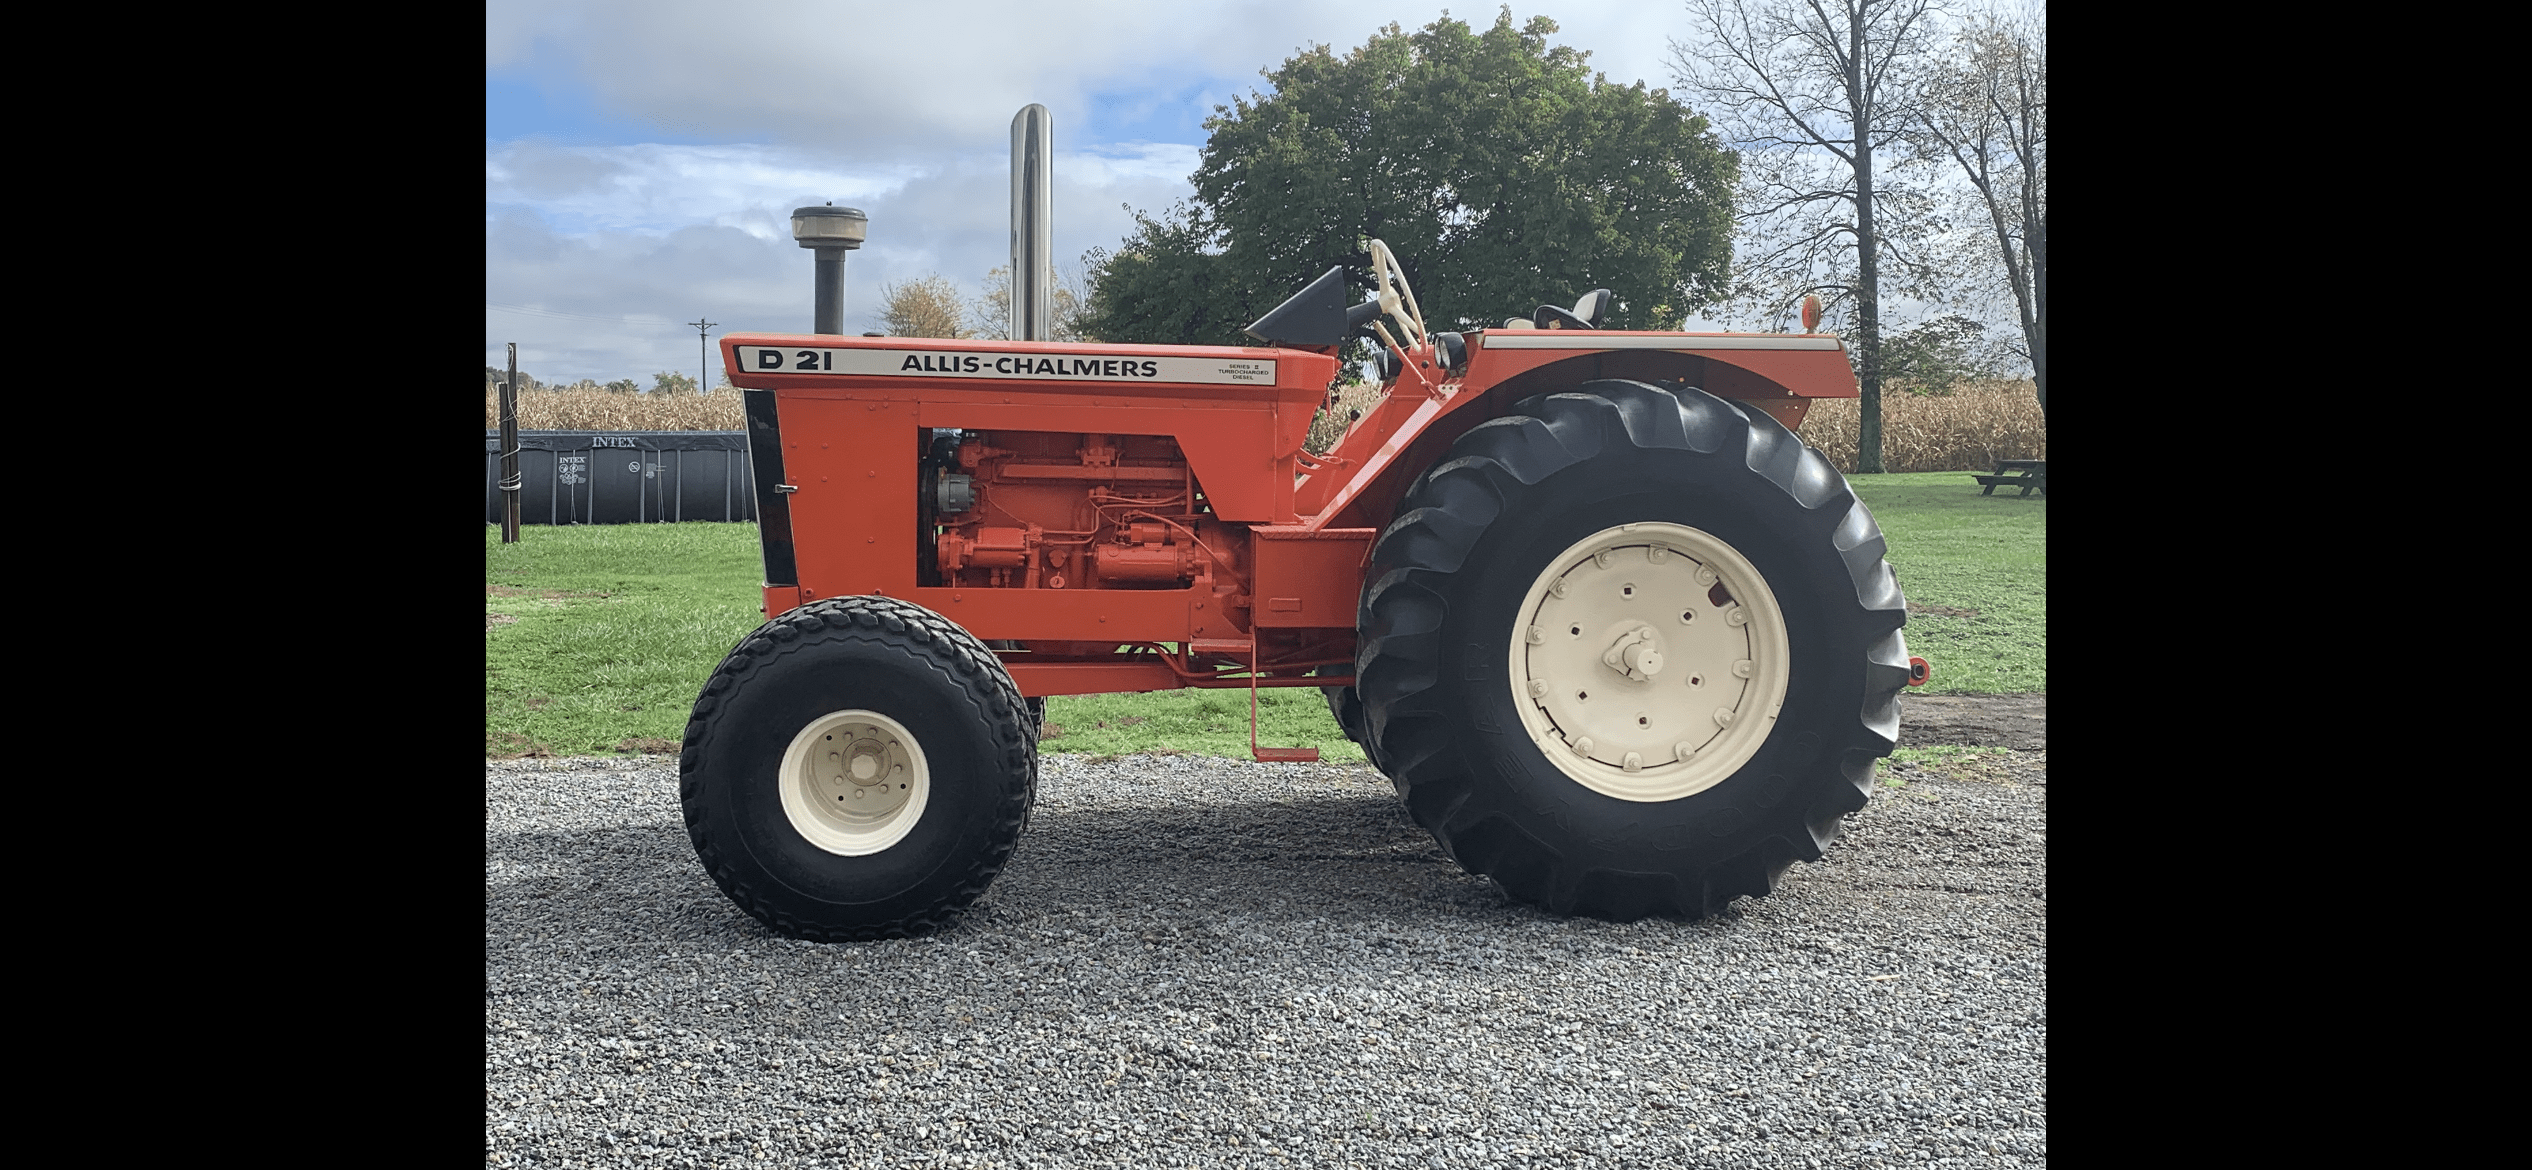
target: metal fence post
510 451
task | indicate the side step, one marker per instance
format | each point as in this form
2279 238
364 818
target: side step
1269 755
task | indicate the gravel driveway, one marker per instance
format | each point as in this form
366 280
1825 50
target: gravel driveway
1200 962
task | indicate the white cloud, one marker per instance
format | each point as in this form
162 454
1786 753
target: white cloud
657 188
659 234
892 80
901 110
896 81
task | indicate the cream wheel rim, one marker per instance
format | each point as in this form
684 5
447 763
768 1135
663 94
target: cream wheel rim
1649 661
855 782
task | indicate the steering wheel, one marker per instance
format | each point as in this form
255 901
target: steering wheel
1395 298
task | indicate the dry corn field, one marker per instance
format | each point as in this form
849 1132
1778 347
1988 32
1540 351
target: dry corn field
1969 429
1325 430
604 410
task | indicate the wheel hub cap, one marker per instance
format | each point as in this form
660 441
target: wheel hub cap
1650 661
1637 654
854 782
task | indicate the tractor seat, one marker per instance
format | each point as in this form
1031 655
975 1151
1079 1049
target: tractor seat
1585 314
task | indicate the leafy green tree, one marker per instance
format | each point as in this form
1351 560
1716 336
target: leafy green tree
670 382
494 374
1933 356
624 386
1502 171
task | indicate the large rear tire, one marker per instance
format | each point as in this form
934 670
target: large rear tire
1631 651
857 768
1345 706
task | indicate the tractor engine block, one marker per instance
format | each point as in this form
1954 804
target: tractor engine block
1043 510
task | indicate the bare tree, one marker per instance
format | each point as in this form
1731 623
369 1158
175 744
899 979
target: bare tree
1987 113
992 311
922 308
1819 95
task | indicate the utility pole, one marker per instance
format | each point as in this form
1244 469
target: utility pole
703 364
510 451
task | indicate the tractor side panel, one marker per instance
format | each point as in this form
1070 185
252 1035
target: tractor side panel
1309 578
852 519
1098 513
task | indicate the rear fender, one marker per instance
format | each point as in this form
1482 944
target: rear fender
1372 467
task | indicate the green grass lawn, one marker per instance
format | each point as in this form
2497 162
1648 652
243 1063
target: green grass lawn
598 638
1975 569
1207 723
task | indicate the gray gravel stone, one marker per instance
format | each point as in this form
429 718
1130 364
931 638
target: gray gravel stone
1201 962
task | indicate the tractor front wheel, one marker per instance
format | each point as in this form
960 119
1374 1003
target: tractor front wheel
1631 650
857 768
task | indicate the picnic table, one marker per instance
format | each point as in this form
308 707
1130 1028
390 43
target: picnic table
2029 474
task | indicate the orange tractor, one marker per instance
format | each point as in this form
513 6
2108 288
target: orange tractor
1624 644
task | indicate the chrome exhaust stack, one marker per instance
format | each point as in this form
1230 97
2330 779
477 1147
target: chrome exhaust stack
1032 224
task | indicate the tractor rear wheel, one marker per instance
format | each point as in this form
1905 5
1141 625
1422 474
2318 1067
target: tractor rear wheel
1345 705
1631 651
859 767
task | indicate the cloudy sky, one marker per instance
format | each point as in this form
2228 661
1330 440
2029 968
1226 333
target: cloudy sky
641 159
